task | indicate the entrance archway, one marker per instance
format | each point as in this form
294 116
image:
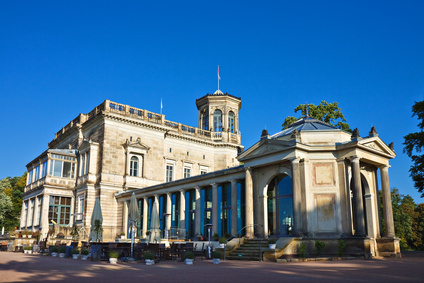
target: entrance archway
280 206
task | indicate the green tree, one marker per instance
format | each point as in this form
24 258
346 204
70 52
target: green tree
414 144
326 112
11 190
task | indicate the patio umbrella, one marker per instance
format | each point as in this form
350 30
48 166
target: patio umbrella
96 216
133 218
154 224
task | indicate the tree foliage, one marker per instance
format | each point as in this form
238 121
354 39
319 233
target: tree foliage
408 220
11 190
414 144
326 112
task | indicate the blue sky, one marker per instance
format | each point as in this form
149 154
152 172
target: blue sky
59 59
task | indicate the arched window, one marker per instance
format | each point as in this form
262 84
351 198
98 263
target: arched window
280 206
231 121
205 121
134 166
217 121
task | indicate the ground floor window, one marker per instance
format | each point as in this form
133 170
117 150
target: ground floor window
59 210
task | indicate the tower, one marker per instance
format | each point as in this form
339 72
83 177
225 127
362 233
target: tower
219 114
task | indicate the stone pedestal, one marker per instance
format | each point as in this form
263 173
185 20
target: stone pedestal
388 247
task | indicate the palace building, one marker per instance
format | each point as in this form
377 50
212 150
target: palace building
310 181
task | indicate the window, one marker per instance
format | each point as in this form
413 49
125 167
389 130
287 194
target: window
187 172
44 169
87 162
231 121
61 168
30 212
37 173
217 121
24 216
59 210
203 170
80 208
29 179
40 205
134 166
82 165
169 172
205 121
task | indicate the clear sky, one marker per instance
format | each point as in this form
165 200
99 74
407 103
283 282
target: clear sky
62 58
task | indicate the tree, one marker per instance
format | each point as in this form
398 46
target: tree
414 144
326 112
11 190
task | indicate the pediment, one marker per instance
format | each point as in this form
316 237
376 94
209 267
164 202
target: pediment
136 145
265 148
378 145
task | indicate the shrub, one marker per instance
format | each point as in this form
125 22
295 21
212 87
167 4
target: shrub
223 240
302 250
113 254
84 252
216 254
28 248
75 251
215 237
319 246
341 247
149 255
62 250
55 249
189 255
122 234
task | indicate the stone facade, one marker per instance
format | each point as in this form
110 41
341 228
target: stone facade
311 181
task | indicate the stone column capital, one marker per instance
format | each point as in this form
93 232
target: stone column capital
354 159
214 185
295 160
233 182
384 167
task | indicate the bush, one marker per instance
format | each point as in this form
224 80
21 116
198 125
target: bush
62 250
84 252
189 255
341 247
223 240
149 255
302 250
55 249
122 234
319 246
113 254
75 251
216 254
215 237
28 248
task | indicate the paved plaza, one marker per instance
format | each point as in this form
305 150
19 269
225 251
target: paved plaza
19 267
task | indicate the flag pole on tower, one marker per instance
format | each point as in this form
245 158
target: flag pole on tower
218 77
161 106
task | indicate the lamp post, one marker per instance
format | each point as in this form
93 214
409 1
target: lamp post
209 226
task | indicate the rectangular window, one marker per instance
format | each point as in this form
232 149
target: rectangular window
37 173
87 162
60 210
82 172
80 207
40 205
44 169
29 178
169 172
187 172
59 168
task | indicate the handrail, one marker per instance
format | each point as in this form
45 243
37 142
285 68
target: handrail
250 225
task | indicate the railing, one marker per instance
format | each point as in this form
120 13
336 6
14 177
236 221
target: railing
171 124
137 112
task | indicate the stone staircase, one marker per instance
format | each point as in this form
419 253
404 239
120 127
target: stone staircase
249 250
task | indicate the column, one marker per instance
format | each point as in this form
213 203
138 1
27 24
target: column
297 197
234 218
182 210
36 220
214 208
197 227
169 215
357 195
387 202
125 218
145 215
250 231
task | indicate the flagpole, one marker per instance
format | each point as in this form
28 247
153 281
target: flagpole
161 106
218 77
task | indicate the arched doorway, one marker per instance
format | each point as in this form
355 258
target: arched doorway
280 206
